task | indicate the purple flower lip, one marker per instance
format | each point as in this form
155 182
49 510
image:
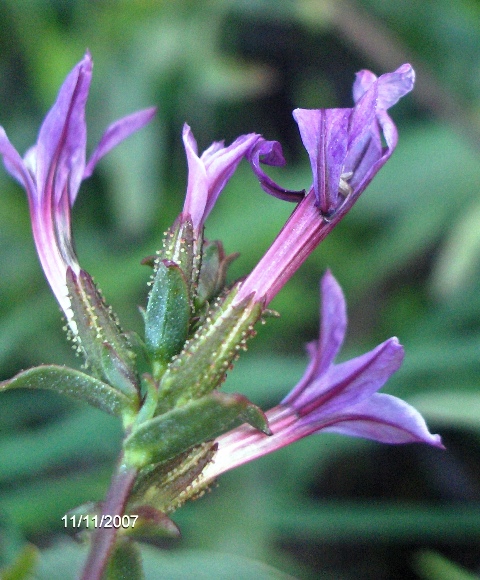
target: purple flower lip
340 398
53 169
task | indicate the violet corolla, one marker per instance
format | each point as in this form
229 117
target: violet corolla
347 147
209 173
340 398
52 170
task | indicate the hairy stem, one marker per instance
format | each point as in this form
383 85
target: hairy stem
103 538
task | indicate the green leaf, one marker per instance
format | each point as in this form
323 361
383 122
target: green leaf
63 561
75 384
125 561
32 453
168 313
174 432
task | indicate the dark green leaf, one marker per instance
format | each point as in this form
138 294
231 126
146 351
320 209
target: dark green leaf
75 384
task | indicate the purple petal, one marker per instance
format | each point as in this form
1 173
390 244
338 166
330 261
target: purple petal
333 317
386 419
371 162
221 165
208 174
324 134
116 133
16 167
364 79
197 187
391 86
333 322
62 139
349 383
270 153
362 121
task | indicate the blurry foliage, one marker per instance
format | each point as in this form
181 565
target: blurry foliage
407 257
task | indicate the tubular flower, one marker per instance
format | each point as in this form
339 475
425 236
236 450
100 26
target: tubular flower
52 170
346 151
209 173
340 398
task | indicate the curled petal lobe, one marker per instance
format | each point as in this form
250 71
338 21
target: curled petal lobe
209 173
270 153
391 86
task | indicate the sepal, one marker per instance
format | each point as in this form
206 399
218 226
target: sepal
75 384
213 272
206 357
200 420
166 486
168 314
98 335
181 246
151 524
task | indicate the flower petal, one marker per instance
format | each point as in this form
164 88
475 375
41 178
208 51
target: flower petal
16 167
116 133
386 419
333 317
364 79
349 383
270 153
62 139
197 187
221 165
391 86
324 134
208 174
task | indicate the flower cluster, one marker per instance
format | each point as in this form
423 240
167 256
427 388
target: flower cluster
178 425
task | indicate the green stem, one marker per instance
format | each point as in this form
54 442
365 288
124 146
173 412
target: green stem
103 539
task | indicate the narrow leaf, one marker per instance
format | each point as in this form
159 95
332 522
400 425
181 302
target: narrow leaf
75 384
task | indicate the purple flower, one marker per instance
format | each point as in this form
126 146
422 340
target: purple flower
346 151
52 170
209 173
345 145
340 398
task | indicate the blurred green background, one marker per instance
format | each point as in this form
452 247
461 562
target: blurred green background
407 257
